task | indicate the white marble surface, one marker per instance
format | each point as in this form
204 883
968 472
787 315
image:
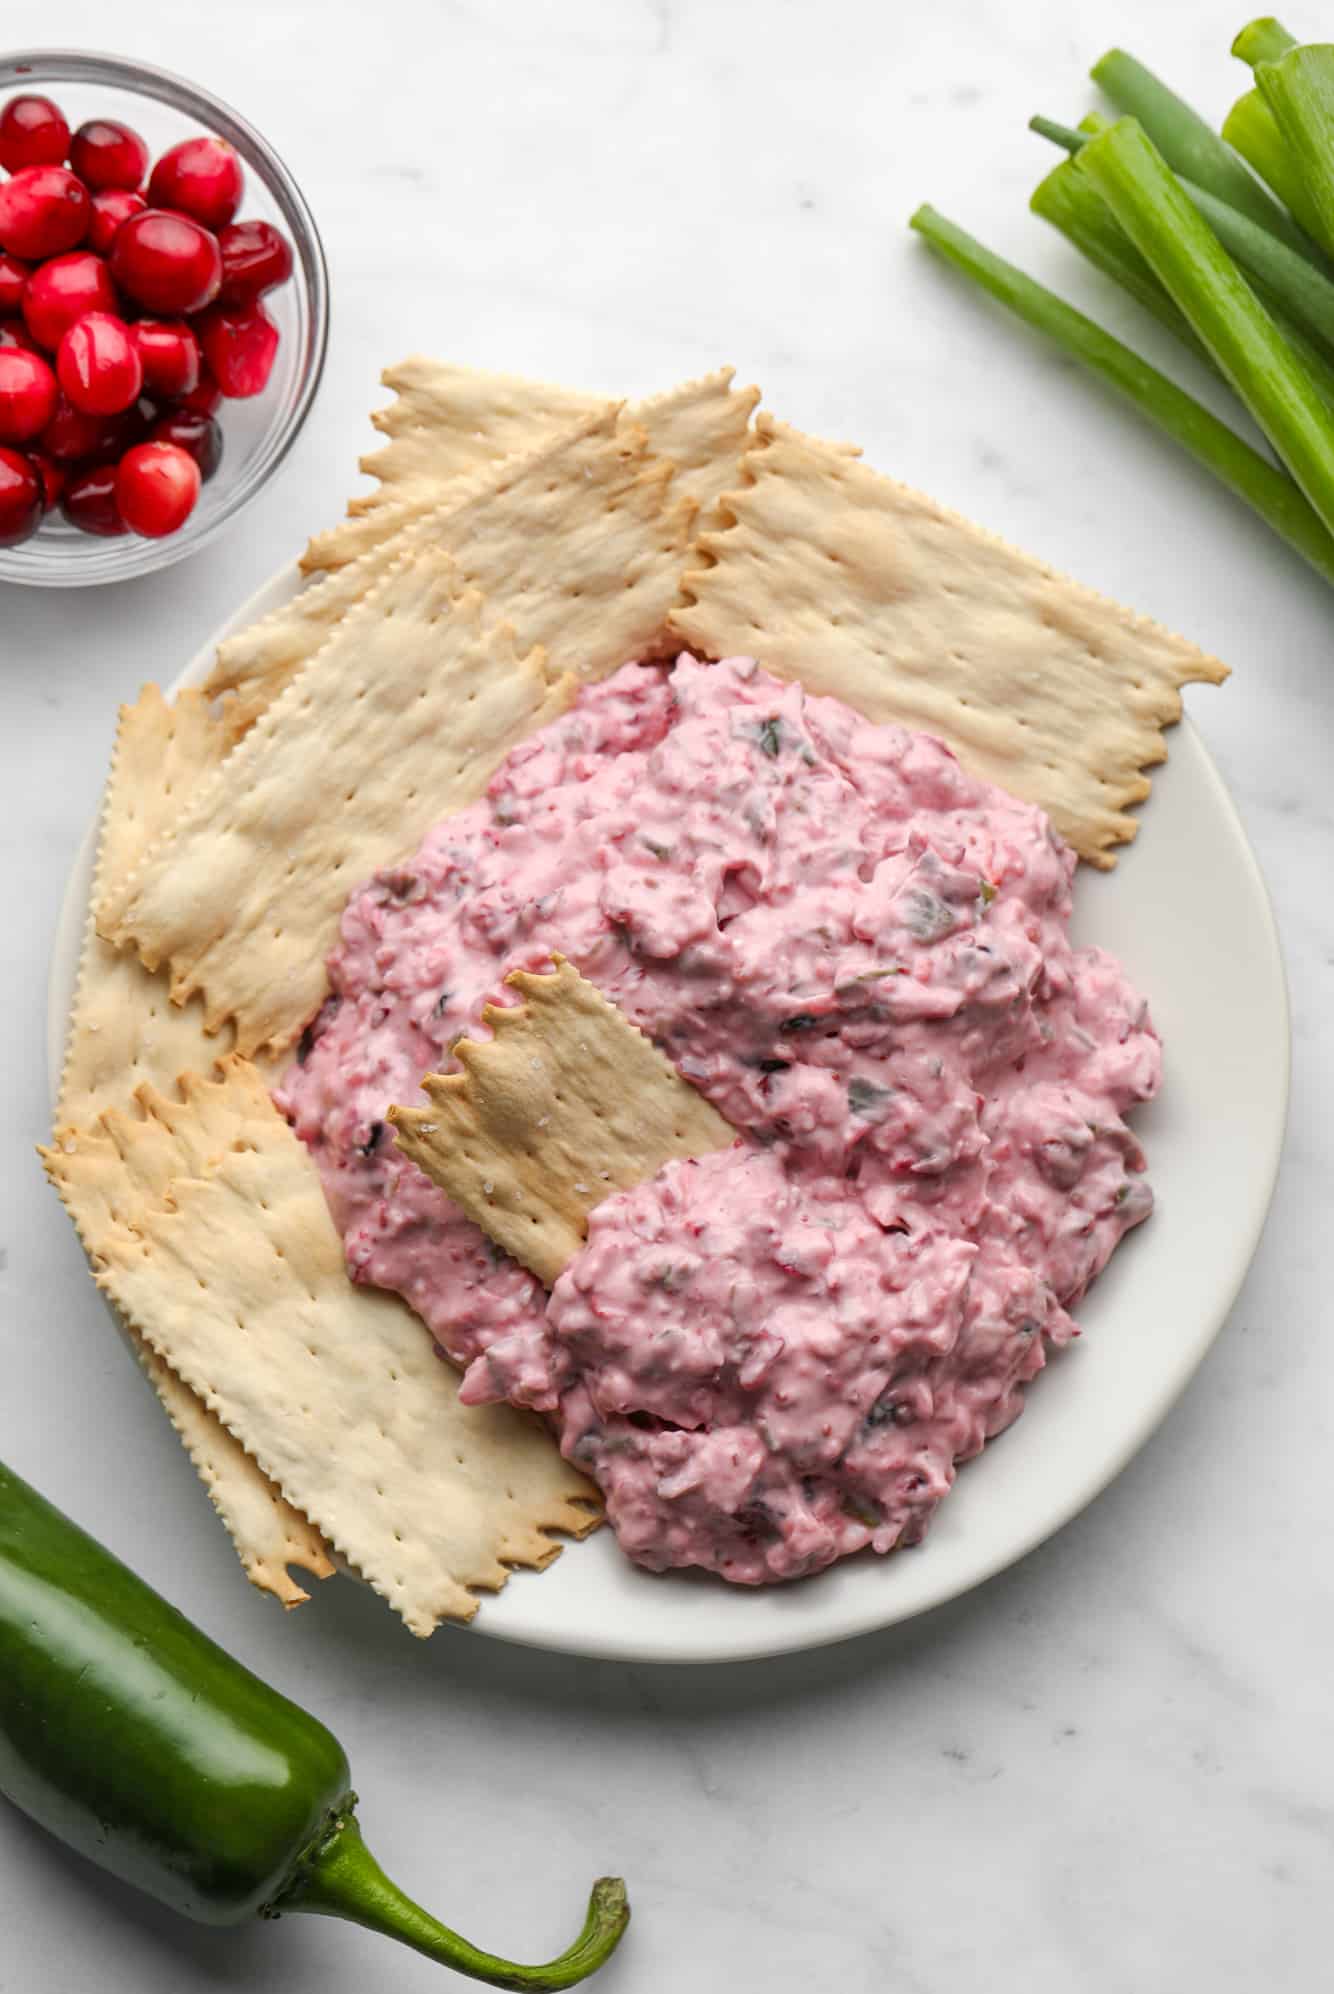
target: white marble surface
1110 1767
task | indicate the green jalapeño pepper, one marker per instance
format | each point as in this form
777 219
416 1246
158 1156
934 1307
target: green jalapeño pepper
126 1732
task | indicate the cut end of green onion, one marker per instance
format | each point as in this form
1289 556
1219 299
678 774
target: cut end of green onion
1264 40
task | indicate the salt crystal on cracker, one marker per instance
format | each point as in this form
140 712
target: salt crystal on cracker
860 588
232 1271
402 718
566 1102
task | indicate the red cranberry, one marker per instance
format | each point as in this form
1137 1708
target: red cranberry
13 332
13 276
199 435
204 399
169 353
240 347
166 263
71 435
110 208
89 502
156 488
32 133
43 211
255 258
63 290
200 177
98 365
52 475
27 395
106 153
20 497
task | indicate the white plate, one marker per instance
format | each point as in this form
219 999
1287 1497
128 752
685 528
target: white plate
1186 911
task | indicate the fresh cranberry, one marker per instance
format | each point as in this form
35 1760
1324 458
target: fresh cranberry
169 353
166 263
32 133
27 395
71 435
240 347
89 502
20 497
98 365
199 435
156 488
52 475
13 332
63 290
44 210
200 177
204 399
106 153
13 276
255 258
110 208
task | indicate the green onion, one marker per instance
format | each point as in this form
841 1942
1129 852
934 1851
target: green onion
1250 128
1065 136
1170 233
1068 200
1243 470
1188 144
1299 91
1303 293
1265 40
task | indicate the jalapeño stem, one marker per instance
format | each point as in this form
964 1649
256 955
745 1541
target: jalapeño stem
343 1880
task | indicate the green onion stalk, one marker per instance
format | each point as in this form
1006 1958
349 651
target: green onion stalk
1251 129
1189 145
1198 274
1250 476
1299 91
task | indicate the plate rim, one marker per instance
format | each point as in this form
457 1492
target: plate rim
523 1629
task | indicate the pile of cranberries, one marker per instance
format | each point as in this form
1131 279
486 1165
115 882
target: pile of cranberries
126 314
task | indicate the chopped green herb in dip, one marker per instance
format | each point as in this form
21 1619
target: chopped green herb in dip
776 1355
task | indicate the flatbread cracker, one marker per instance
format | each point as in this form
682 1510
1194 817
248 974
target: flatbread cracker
269 1536
448 422
579 545
566 1102
123 1027
231 1269
451 421
403 717
863 589
124 1032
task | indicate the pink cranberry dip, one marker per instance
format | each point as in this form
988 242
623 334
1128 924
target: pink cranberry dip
777 1355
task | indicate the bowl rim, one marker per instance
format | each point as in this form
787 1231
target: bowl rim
128 559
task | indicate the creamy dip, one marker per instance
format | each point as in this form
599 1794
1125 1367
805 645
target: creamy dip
778 1354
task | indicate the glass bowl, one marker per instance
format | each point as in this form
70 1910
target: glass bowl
258 432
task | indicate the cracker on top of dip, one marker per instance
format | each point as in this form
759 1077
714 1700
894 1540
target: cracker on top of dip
776 1355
